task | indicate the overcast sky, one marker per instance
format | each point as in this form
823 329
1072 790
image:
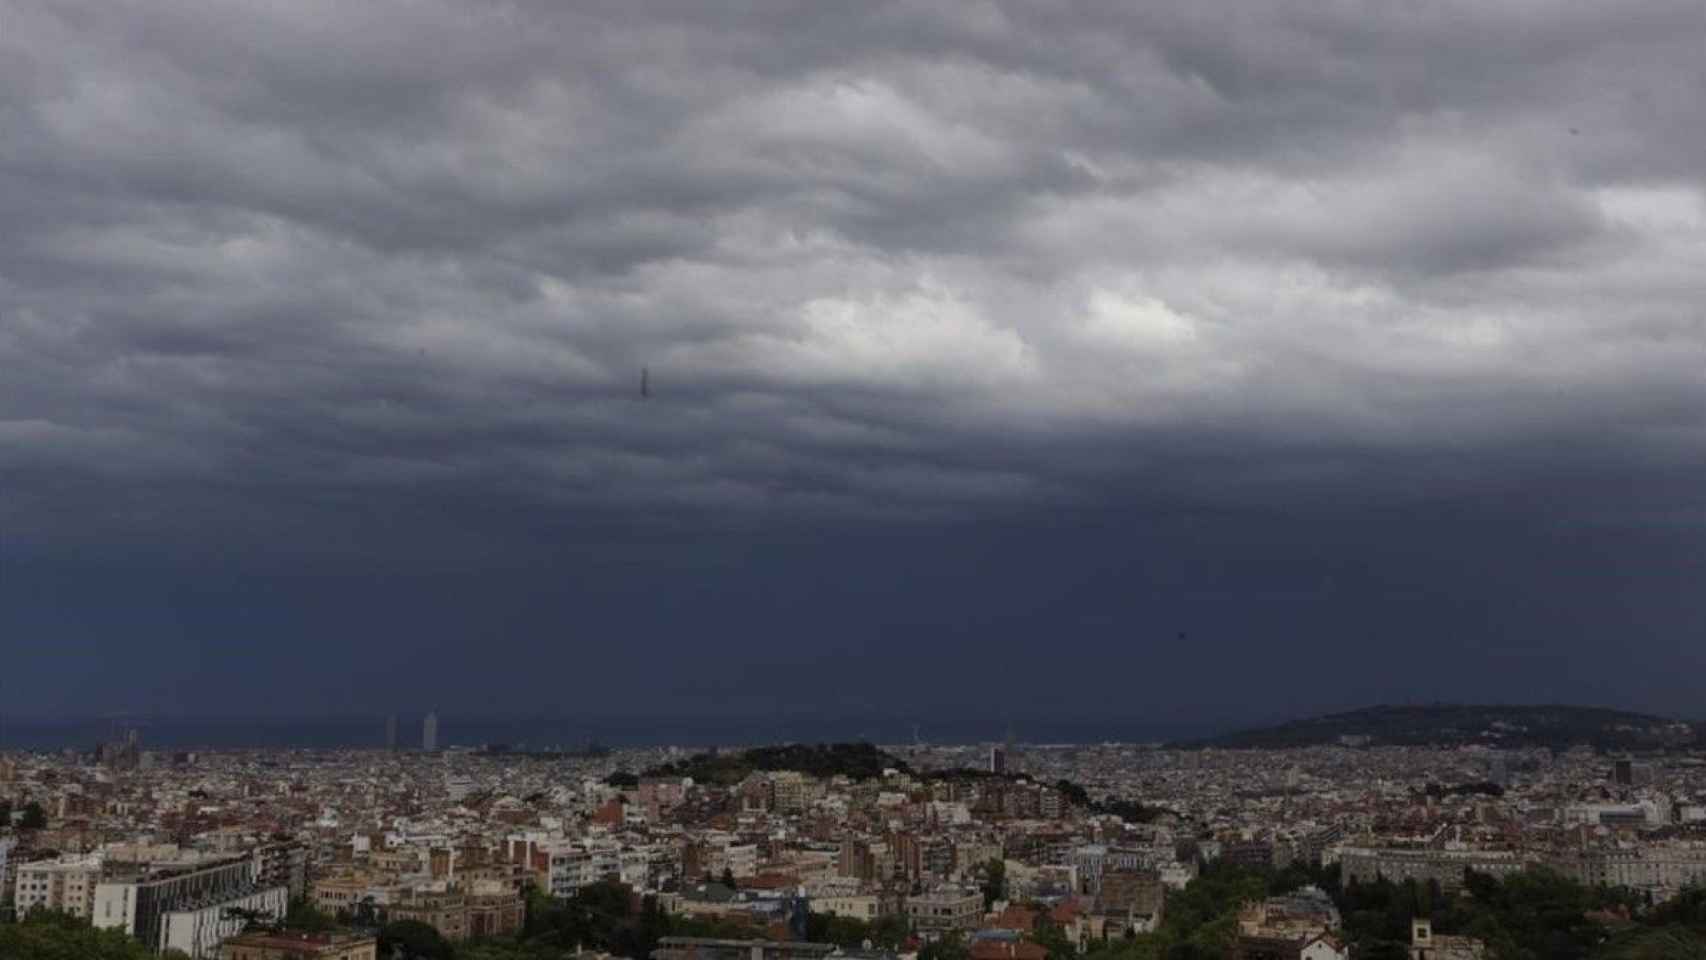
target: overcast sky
1205 360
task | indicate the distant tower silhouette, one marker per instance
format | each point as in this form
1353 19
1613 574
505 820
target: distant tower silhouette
429 732
391 732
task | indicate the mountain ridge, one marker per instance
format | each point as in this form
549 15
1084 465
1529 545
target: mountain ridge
1557 726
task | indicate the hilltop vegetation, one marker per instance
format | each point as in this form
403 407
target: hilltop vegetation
1533 916
50 935
1558 727
857 761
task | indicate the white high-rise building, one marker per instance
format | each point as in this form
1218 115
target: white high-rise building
429 732
66 884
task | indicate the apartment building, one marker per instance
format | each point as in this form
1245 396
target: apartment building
944 909
66 884
859 906
490 909
1367 864
197 928
140 903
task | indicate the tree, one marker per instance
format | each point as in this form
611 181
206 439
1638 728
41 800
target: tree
1048 935
951 946
729 878
1660 943
51 935
365 913
1074 794
889 932
1133 946
35 818
836 929
302 914
994 882
412 940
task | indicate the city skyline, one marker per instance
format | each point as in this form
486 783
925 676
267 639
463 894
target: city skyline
894 480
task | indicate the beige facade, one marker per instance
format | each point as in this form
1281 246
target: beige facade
459 916
866 906
299 946
67 884
446 913
1659 869
1446 867
940 911
340 895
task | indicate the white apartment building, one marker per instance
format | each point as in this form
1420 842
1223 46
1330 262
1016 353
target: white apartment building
1659 869
197 931
142 904
575 864
66 884
740 859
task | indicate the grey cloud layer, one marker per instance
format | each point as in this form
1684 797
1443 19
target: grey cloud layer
883 259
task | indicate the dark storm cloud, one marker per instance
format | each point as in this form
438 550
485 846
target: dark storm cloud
318 274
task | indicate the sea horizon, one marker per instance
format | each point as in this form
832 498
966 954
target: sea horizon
569 733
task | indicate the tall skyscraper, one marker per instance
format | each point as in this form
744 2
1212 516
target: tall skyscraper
429 731
391 732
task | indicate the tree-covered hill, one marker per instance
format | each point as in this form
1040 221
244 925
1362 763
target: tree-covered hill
858 761
1555 726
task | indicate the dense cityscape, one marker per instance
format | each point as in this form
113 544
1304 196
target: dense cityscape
992 851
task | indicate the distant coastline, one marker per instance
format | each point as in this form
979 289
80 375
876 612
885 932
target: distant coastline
1555 726
566 733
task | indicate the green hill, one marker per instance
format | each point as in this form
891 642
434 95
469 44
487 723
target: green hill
858 761
1555 726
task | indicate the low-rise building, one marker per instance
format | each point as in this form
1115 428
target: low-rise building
488 909
445 912
1303 925
944 909
299 946
1427 945
1131 902
858 906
